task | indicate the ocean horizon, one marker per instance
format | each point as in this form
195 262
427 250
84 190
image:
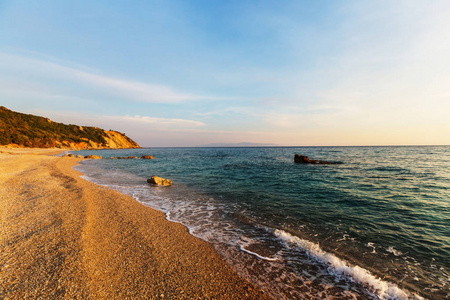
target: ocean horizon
374 226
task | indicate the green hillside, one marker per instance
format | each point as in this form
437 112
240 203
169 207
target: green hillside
33 131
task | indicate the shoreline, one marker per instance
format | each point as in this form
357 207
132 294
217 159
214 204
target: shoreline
65 237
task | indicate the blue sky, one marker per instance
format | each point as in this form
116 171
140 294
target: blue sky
187 73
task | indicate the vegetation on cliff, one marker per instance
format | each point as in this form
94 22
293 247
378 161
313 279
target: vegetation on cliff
26 130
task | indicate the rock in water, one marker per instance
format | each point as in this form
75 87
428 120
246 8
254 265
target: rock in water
302 159
93 157
147 157
80 156
159 181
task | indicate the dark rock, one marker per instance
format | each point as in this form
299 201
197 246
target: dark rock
302 159
93 157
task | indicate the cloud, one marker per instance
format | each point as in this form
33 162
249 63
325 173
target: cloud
23 70
137 91
160 122
119 122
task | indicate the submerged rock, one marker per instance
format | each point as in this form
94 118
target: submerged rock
159 181
93 157
147 157
302 159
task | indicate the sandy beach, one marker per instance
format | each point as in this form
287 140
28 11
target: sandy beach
64 237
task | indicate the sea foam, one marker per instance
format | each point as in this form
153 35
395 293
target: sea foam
258 255
340 268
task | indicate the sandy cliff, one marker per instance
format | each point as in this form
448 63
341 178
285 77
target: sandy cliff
24 130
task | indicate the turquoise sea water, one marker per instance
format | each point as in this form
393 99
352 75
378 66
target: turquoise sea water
376 226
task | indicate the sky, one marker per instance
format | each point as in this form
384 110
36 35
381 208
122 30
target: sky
189 73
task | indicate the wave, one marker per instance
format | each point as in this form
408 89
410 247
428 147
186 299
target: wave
257 255
340 268
389 169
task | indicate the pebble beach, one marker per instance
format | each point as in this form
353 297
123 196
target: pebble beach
64 237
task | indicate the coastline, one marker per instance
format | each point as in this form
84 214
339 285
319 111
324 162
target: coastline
64 237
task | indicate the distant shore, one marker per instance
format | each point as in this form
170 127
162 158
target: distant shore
64 237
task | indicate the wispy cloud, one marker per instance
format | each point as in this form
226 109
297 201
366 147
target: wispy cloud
161 122
31 71
120 122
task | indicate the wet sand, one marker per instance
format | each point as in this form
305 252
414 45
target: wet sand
64 237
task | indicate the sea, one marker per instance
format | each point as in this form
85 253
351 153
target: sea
375 225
